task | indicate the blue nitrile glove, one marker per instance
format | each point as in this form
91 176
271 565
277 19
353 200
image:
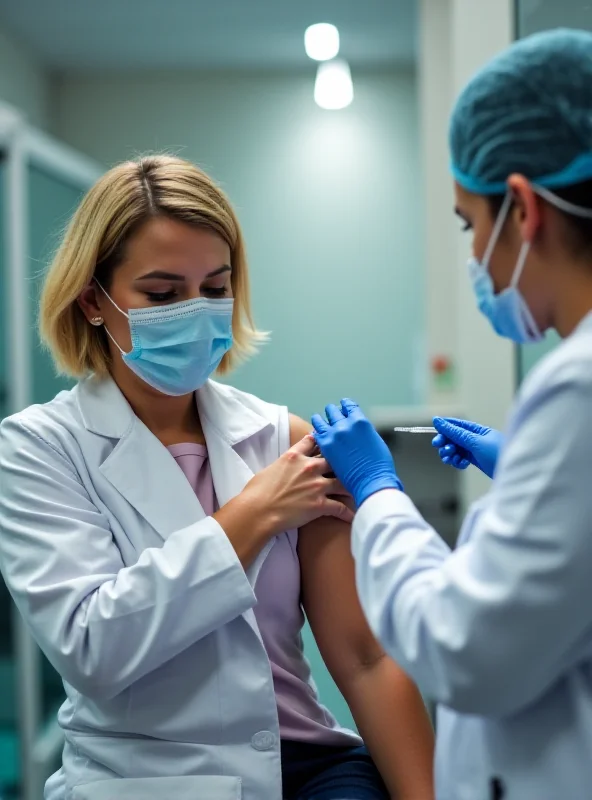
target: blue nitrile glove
359 457
461 443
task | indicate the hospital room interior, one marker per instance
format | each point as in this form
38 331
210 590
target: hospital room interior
325 123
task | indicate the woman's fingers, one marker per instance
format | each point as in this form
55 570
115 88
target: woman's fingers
335 487
320 465
305 447
309 448
333 508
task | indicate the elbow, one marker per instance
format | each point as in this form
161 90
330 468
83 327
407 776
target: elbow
91 679
351 674
92 687
91 670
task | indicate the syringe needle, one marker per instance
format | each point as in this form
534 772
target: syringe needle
416 429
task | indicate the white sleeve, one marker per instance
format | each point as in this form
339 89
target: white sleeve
101 624
489 628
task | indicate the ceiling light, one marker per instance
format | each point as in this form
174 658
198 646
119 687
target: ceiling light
321 41
333 86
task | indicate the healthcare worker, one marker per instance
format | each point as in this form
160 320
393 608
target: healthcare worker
163 534
499 632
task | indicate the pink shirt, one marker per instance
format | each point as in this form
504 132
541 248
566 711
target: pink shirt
280 619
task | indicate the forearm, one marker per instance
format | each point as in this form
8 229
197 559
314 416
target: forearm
247 526
392 719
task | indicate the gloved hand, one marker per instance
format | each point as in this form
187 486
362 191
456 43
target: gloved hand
359 457
461 443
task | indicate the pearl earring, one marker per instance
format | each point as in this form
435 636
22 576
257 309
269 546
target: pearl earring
96 321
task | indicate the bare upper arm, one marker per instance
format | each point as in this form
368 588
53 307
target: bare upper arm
329 594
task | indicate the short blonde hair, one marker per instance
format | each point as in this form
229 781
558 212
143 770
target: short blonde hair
95 240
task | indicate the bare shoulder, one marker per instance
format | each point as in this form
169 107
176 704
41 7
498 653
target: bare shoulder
299 428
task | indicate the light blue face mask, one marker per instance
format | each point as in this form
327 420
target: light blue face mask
176 348
507 311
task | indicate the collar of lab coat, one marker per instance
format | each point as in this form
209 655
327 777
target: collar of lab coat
106 412
143 470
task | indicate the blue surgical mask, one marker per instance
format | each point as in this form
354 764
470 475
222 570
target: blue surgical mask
175 348
507 311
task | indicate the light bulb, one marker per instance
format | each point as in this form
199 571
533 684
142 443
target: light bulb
333 85
321 41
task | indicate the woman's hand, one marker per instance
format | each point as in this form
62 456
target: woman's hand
289 493
294 489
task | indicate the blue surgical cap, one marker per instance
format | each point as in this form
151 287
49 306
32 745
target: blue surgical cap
529 111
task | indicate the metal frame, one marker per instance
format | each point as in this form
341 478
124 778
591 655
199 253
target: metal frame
39 740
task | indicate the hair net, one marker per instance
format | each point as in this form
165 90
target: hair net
529 111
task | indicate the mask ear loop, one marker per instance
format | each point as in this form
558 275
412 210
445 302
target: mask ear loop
523 255
112 301
526 312
524 250
519 269
497 229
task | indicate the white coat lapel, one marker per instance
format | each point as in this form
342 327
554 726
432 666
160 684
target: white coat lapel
227 422
139 466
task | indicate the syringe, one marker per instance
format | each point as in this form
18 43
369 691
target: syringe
416 429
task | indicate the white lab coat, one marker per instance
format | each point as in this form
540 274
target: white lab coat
499 632
139 600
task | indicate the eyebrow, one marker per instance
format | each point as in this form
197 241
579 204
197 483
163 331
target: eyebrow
173 276
460 214
219 271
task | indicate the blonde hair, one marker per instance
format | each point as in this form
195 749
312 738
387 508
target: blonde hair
95 240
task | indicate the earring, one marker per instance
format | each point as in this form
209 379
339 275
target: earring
96 321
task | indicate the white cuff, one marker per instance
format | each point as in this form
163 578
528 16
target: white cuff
389 501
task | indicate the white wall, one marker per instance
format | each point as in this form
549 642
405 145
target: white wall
23 81
458 38
480 30
330 204
435 88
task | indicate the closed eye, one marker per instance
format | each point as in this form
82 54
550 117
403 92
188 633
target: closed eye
161 297
212 291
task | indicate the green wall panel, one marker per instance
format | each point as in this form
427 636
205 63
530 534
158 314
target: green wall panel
51 204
